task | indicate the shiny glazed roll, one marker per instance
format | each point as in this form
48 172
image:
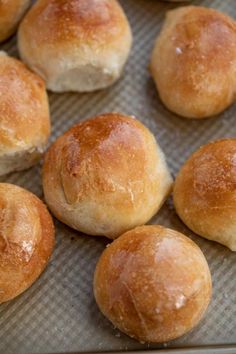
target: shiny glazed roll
153 284
193 62
75 45
25 121
205 192
26 240
105 175
11 11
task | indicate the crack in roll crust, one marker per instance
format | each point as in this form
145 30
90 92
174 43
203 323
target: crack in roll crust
26 240
11 11
78 45
205 192
194 62
153 283
25 123
105 175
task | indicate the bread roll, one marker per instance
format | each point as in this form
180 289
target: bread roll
193 62
205 192
79 45
105 175
11 11
26 240
153 284
24 124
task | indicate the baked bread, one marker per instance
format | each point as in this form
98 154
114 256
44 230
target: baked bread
193 62
153 284
11 11
79 45
205 192
26 240
105 175
25 123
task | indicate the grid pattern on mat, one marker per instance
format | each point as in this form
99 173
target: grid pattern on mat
58 313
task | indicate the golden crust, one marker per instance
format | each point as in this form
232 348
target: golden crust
26 240
61 21
153 283
194 62
105 175
205 192
78 45
11 12
24 108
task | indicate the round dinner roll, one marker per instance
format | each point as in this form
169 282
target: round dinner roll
24 123
105 176
193 62
26 240
153 284
11 11
75 45
205 192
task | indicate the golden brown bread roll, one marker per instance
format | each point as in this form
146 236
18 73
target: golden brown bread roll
153 284
25 123
205 192
11 11
26 240
79 45
105 175
193 62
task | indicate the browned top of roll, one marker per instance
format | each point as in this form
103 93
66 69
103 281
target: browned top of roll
84 160
209 34
208 178
194 61
23 107
11 12
153 283
105 175
60 22
205 191
26 239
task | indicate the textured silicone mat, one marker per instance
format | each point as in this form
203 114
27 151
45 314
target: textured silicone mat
58 313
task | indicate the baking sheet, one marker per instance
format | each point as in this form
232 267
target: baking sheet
58 313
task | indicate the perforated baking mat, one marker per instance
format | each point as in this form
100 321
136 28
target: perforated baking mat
58 313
